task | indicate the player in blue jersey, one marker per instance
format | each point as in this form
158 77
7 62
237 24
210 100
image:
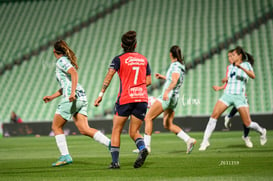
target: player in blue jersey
234 94
167 101
73 103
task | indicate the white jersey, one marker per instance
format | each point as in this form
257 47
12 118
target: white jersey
175 67
63 64
237 79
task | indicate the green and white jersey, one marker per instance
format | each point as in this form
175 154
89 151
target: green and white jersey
175 67
237 79
63 64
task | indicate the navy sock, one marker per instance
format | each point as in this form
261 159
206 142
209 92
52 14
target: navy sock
232 112
140 143
115 154
246 131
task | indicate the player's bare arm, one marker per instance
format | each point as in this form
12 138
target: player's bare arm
107 80
53 96
159 76
217 88
175 77
250 73
74 80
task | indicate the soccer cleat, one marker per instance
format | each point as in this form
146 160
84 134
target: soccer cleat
227 122
63 160
190 144
141 158
204 145
114 166
263 138
137 150
247 141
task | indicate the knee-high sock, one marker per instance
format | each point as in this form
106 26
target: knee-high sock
232 112
209 129
182 135
246 131
256 127
147 140
101 138
115 154
140 143
61 144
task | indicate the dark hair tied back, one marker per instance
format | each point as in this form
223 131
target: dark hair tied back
176 52
245 56
129 41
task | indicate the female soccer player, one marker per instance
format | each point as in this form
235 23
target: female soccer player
135 74
73 103
168 100
233 111
238 74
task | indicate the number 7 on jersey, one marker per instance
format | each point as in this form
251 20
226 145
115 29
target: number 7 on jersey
136 75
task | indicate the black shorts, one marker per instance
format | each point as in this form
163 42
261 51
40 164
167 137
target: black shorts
137 109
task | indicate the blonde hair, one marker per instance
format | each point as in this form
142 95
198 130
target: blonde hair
61 47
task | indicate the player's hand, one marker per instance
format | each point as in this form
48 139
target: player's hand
216 88
97 101
158 76
72 97
47 99
165 96
224 80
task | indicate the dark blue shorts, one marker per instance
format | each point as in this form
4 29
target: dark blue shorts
137 109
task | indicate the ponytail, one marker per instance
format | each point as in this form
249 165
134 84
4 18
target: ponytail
245 56
61 47
176 52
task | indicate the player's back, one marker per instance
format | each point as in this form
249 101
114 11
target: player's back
132 73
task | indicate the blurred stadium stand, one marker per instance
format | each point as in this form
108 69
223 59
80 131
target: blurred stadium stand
205 30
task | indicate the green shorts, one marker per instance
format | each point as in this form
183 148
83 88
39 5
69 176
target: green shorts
68 109
234 99
171 103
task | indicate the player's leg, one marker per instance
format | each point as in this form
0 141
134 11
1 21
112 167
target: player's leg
246 131
155 110
244 113
246 138
229 116
81 123
134 126
168 118
219 108
118 124
57 127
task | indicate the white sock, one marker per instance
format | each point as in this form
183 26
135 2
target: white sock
209 129
61 143
184 136
256 127
101 138
147 140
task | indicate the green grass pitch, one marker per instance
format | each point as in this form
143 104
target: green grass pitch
30 158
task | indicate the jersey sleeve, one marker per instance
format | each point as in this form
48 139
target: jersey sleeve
115 64
64 64
247 66
176 68
148 72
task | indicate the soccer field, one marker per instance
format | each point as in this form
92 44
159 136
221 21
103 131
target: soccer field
30 158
